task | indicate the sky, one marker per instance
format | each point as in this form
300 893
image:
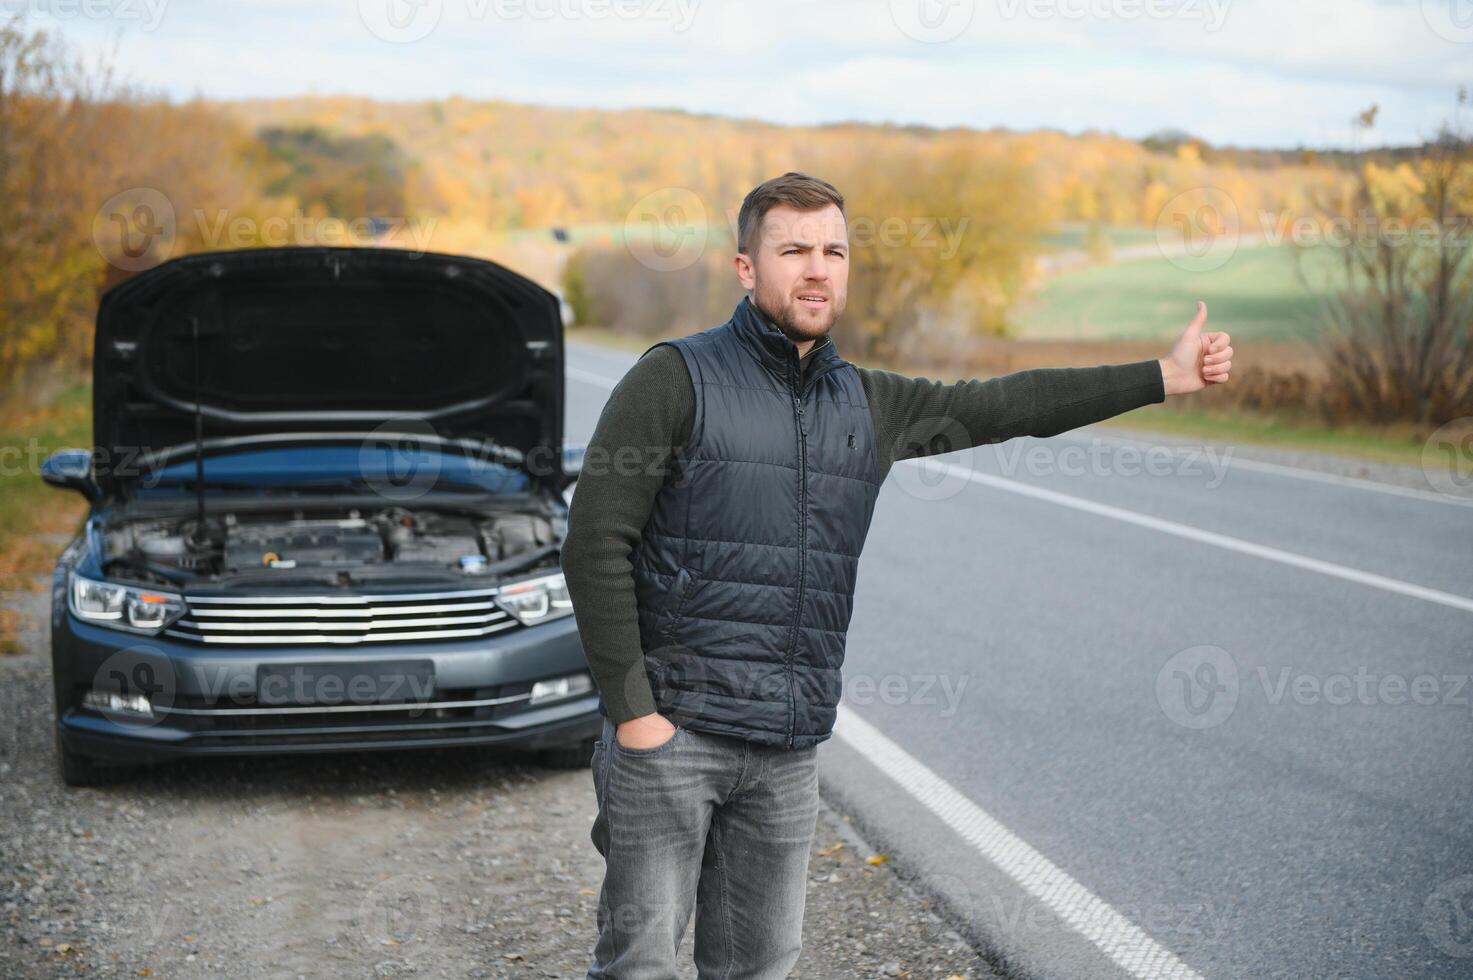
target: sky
1263 73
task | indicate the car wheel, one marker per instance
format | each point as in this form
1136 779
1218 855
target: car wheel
83 770
577 756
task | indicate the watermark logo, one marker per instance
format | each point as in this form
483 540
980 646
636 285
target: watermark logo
1447 917
1198 687
400 21
1126 460
401 910
1212 13
400 460
407 21
221 229
1447 458
1198 229
135 686
930 479
933 21
1451 20
135 229
666 230
147 13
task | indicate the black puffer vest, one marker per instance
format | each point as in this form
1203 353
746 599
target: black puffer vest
744 574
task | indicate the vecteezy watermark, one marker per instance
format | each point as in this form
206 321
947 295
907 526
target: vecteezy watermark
1198 230
686 679
133 463
943 233
400 460
1100 459
1198 687
354 685
1023 915
666 230
1363 229
406 21
1447 917
148 14
135 229
1447 457
906 689
1201 686
1363 687
219 228
936 479
933 21
400 910
929 479
626 460
1212 13
135 686
1451 20
138 228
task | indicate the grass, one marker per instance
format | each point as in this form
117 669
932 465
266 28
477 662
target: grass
1379 445
1071 237
1253 296
33 513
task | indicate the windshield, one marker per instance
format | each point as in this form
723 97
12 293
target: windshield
396 472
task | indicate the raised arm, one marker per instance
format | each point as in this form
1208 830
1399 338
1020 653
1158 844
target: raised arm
920 417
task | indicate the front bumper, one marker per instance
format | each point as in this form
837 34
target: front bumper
480 695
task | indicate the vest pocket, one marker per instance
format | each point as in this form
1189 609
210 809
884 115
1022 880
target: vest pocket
680 588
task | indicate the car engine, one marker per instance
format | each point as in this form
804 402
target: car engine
173 550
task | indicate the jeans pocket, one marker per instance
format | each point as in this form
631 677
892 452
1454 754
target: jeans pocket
665 746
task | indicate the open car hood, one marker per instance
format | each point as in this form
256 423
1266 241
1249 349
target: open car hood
321 339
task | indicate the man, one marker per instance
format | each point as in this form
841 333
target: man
711 555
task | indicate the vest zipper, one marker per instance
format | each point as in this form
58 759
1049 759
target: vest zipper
802 554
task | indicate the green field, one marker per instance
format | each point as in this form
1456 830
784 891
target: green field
1071 237
1253 296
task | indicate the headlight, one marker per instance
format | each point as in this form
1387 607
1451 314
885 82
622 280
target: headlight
536 600
123 607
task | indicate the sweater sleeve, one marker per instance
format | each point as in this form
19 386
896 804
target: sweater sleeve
646 417
920 417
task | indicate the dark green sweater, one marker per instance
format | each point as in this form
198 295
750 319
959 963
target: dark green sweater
649 414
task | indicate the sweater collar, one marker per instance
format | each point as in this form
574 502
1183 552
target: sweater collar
773 348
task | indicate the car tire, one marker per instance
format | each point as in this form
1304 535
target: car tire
577 756
83 770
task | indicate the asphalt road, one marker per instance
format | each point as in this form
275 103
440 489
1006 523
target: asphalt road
1130 713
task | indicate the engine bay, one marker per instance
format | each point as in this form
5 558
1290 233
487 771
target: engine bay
324 546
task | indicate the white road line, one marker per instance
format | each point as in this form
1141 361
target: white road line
1113 934
1207 537
1170 527
1298 473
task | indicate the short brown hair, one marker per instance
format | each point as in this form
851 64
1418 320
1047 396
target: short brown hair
796 190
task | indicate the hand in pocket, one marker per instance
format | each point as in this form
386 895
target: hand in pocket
645 732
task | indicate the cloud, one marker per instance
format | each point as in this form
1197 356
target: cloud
1250 72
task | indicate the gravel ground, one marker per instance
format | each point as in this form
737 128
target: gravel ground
434 863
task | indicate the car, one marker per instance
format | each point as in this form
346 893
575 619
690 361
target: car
327 495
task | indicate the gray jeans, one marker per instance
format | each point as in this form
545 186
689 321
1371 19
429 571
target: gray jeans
707 820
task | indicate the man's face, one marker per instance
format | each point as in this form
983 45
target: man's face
798 270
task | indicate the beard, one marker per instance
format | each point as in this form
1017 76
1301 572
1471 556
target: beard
796 322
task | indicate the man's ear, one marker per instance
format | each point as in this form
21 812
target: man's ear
744 270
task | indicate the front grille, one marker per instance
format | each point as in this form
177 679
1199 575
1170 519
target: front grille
256 620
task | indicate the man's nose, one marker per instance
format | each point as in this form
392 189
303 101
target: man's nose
816 268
